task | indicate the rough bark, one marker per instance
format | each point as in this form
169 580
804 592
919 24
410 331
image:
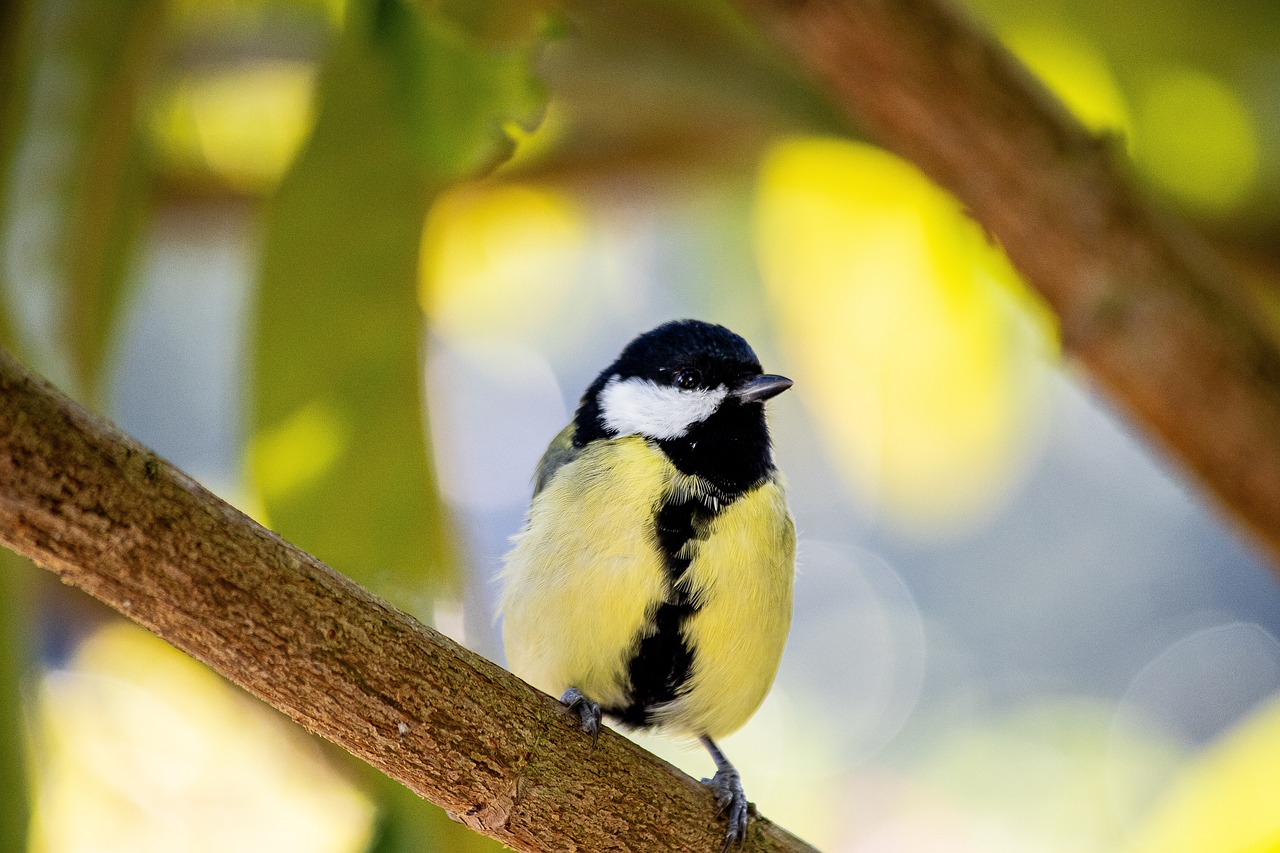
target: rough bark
1152 315
84 500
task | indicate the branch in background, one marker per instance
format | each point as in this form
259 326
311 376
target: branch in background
1153 316
84 500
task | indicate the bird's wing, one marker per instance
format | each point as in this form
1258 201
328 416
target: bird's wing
559 453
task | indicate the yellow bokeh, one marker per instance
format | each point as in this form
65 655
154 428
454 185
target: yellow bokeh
500 259
1225 801
910 333
1197 140
298 450
139 749
1076 72
242 125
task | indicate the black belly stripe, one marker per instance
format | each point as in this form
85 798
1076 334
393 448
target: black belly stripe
663 660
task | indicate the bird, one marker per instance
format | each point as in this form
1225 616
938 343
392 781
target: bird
652 579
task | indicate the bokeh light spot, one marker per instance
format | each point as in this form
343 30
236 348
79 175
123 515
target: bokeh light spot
1197 141
298 450
853 599
1226 798
500 259
1207 682
1074 71
142 749
243 126
914 342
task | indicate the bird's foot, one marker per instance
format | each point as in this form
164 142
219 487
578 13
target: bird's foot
589 713
731 802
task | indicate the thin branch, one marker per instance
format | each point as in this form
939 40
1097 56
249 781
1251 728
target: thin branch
1155 318
79 497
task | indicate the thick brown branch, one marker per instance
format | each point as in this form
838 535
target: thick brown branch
86 501
1151 314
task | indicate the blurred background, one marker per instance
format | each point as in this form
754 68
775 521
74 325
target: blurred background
255 233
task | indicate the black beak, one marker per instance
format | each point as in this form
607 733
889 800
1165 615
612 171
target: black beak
761 388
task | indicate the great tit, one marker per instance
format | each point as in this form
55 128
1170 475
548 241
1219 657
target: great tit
652 579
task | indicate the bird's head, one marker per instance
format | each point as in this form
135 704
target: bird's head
671 383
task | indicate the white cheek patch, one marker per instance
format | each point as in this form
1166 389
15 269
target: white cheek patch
641 407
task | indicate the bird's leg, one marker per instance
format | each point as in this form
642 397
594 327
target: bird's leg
730 798
588 712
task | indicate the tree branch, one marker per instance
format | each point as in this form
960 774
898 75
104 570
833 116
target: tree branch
79 497
1155 318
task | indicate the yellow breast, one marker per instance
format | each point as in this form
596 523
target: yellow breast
586 576
742 578
584 573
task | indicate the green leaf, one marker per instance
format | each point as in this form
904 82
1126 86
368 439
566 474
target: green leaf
408 104
75 190
14 24
454 95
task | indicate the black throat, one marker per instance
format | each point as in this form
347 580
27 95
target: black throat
730 449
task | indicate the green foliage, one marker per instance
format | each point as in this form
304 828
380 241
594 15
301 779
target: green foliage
407 105
16 589
14 22
452 95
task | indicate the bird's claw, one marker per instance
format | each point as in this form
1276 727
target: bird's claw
731 802
589 712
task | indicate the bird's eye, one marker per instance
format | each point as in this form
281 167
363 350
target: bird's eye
687 379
